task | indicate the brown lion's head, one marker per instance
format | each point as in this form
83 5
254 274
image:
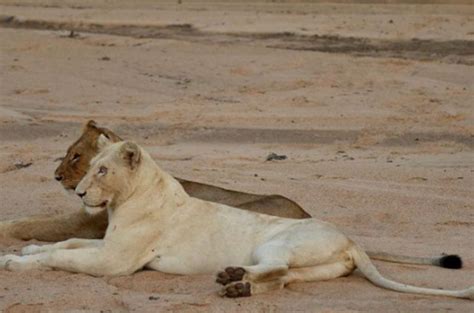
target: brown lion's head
76 163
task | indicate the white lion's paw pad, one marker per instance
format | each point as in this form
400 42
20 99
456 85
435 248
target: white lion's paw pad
31 249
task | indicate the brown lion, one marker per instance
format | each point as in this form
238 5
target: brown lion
82 224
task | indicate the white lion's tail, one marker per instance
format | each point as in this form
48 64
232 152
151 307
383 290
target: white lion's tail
362 261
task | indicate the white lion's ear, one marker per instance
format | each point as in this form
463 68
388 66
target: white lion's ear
102 142
130 153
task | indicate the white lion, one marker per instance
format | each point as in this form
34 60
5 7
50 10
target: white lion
155 224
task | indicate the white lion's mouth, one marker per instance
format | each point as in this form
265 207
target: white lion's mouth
100 205
95 209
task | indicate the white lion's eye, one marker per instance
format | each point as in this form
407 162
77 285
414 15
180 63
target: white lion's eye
102 171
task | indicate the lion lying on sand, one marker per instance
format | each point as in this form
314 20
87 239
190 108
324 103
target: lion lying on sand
154 223
81 224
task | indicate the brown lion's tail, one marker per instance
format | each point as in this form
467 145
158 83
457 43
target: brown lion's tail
451 261
365 265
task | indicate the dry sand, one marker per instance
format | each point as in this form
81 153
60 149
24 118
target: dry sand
375 114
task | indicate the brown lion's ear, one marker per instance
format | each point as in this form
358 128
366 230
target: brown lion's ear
102 142
109 134
130 153
90 124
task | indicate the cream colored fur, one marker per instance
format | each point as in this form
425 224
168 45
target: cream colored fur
153 223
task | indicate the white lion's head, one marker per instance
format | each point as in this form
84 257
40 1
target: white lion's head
111 176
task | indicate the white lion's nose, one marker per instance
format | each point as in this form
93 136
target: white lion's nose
81 194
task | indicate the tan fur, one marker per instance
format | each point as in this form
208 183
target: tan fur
54 228
154 223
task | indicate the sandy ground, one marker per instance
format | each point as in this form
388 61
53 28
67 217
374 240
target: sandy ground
372 104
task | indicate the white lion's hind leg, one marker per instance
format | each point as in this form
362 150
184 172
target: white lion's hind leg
318 272
305 245
271 260
271 266
249 280
74 243
262 278
246 288
261 287
254 273
265 272
262 281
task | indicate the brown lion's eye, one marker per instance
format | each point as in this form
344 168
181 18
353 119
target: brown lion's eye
76 157
102 171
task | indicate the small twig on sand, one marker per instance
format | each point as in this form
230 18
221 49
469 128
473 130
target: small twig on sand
273 156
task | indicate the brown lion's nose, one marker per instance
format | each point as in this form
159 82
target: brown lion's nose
81 194
58 177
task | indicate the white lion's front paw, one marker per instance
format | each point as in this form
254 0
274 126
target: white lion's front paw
18 263
3 261
31 249
6 260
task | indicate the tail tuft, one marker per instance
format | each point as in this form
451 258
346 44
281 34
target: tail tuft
450 261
